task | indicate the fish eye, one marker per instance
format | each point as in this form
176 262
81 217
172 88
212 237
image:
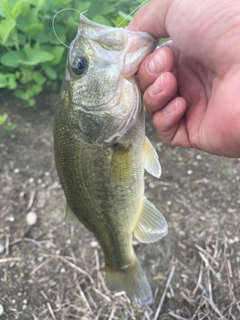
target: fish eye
79 65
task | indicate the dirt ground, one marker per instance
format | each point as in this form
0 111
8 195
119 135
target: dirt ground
54 270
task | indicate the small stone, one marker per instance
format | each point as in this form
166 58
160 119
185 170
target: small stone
24 307
1 248
1 309
198 156
169 203
93 244
25 301
189 172
152 185
40 259
31 218
63 270
16 170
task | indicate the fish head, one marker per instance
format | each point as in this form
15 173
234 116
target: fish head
100 57
100 86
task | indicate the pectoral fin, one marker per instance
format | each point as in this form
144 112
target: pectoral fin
151 162
70 216
152 225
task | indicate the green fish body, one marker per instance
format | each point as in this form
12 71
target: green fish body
101 150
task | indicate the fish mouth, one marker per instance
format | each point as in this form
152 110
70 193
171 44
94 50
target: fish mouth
128 48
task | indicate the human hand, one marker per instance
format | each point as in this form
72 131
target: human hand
192 85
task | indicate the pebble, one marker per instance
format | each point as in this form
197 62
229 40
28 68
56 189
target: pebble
1 248
40 258
31 218
93 244
189 172
63 270
16 170
1 309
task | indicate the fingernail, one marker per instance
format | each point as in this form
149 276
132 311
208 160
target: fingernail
157 87
171 107
158 63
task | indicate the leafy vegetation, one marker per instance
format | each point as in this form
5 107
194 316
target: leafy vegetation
31 57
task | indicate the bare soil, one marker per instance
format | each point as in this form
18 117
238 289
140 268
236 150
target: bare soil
54 270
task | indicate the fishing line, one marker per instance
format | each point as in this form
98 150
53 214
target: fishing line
129 15
53 20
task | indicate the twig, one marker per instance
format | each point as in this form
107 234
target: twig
7 245
37 268
199 279
164 293
32 196
207 254
214 307
9 260
51 310
72 265
102 295
84 297
176 316
112 313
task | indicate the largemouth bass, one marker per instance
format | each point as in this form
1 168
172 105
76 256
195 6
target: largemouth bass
101 149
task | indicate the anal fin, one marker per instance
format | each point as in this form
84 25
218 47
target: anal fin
70 216
152 225
151 162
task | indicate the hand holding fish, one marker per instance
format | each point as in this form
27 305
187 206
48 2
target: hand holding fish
191 84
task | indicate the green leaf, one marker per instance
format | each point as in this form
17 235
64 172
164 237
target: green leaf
50 72
34 57
102 20
3 118
12 59
10 127
120 22
99 8
18 9
6 27
27 75
39 78
31 102
12 84
57 52
28 22
3 80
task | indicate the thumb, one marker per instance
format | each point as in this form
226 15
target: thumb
151 18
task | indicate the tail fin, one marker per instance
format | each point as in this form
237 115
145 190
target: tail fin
133 281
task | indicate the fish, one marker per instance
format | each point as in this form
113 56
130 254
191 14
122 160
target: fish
101 149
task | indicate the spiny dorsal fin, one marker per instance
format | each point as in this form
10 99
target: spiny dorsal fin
151 163
152 225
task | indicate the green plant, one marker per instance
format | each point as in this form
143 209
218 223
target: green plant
8 127
31 57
